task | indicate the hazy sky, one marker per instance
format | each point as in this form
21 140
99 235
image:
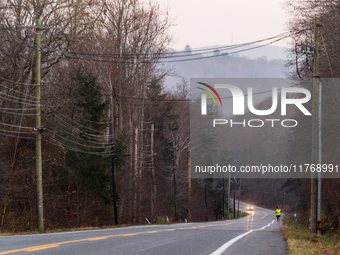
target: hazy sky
220 22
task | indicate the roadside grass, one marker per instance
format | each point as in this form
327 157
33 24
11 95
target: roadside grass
301 242
241 214
159 221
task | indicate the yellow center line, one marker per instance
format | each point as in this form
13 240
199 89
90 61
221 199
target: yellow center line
52 245
230 223
132 234
41 247
97 238
265 215
164 230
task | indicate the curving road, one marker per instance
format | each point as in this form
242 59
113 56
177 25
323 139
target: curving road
256 234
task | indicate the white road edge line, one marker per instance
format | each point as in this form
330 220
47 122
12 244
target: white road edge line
225 246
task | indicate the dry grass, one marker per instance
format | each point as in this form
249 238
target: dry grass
301 242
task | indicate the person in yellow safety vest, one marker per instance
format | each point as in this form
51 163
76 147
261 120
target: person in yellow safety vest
278 213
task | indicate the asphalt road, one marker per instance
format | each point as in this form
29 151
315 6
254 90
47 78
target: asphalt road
256 234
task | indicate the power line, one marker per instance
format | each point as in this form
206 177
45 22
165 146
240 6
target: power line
4 124
192 56
84 145
211 50
11 89
330 68
16 136
179 60
54 142
74 114
26 84
174 53
18 113
16 101
19 109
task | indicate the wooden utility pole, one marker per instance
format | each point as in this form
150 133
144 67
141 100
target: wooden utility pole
234 209
153 185
38 129
223 191
175 185
114 192
189 185
135 174
205 200
229 197
319 162
315 126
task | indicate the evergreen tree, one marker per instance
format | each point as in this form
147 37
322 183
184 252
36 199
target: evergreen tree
88 163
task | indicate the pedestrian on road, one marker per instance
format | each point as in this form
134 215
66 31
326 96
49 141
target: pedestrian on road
278 213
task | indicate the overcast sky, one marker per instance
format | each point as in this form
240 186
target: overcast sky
220 22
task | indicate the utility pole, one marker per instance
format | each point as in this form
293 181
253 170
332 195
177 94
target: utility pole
229 197
315 126
175 186
114 191
205 200
153 188
135 174
319 162
223 198
234 207
189 185
38 129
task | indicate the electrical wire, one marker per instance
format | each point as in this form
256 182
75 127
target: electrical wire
76 123
179 60
54 142
17 101
26 84
211 50
180 53
18 113
4 124
11 89
78 116
19 109
330 68
81 135
16 136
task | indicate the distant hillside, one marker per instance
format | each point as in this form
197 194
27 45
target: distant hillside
228 66
269 51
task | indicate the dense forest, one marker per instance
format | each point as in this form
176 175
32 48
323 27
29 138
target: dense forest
104 103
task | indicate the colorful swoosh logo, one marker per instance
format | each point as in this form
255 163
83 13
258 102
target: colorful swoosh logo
209 93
